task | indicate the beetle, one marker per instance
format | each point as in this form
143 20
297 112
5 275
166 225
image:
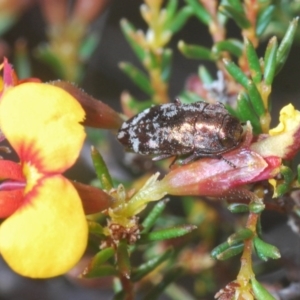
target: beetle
193 130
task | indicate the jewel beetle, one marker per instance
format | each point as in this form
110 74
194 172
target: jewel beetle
192 130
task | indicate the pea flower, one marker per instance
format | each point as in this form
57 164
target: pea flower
45 230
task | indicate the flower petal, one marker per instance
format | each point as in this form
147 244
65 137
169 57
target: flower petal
42 124
10 170
10 201
213 177
48 235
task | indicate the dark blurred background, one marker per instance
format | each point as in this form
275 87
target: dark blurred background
104 80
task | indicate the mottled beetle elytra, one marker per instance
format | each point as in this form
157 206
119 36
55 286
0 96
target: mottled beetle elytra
193 130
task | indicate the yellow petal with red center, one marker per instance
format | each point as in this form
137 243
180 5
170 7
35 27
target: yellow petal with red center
42 124
48 235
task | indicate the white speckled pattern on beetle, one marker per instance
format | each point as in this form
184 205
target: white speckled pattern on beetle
175 129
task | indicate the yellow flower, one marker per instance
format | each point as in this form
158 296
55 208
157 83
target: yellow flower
45 232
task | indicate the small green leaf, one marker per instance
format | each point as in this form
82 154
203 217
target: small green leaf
129 32
255 98
240 236
153 215
101 170
264 18
204 75
231 251
265 250
237 5
180 19
88 46
95 228
237 208
96 267
236 72
219 249
285 45
134 105
101 271
168 278
256 207
150 265
166 234
187 97
298 173
253 62
138 77
288 177
166 63
270 61
260 292
44 53
170 10
245 112
239 17
232 46
199 11
195 51
123 259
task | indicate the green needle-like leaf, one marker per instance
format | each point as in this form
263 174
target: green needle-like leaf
166 61
270 61
180 19
96 267
169 277
101 271
166 234
236 72
150 265
95 228
138 77
240 236
195 51
260 292
237 16
154 214
129 32
233 46
264 19
285 45
123 259
253 62
231 251
265 250
238 208
199 11
255 98
170 10
288 178
245 112
204 75
219 249
237 5
101 169
45 54
88 46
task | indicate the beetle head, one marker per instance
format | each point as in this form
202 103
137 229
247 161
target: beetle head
230 132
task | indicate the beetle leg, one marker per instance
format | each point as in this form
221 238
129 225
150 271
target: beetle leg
190 159
162 156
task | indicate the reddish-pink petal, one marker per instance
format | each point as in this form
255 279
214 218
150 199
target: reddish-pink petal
11 170
10 201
